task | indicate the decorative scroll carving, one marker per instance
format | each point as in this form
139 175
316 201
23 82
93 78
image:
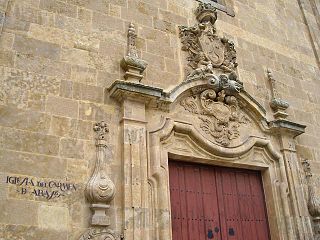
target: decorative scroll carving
100 189
132 64
104 234
219 113
313 198
206 50
277 104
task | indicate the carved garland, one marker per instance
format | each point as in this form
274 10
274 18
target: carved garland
220 114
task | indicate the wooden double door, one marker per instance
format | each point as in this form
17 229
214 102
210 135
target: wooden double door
210 202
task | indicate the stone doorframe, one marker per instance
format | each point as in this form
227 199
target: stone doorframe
147 148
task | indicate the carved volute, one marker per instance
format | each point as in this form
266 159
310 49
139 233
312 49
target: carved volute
100 189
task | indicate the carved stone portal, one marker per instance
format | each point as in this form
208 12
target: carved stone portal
219 113
206 50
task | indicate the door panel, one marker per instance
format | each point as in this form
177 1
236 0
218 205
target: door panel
216 203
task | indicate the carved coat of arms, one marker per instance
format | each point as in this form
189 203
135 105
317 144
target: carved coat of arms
206 50
220 115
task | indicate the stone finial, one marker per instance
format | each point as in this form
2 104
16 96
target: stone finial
100 189
278 105
131 63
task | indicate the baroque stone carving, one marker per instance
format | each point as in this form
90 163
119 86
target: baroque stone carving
131 63
206 50
100 189
219 112
313 198
104 234
277 104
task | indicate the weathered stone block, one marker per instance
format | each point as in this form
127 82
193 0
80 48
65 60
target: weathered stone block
94 112
42 66
53 217
142 7
36 47
30 232
18 212
62 106
104 22
24 120
63 126
52 35
173 18
77 170
14 25
6 58
32 164
83 75
153 60
136 16
164 26
72 25
28 141
87 92
6 40
66 89
71 148
160 50
77 56
59 7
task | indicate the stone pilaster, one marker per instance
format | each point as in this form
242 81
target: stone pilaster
286 132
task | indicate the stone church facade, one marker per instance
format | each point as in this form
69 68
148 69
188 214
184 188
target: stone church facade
104 103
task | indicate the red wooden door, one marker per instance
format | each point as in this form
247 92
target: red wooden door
216 203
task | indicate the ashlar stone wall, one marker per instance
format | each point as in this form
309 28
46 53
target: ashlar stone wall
58 57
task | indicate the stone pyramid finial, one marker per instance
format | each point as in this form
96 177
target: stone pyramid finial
278 105
132 64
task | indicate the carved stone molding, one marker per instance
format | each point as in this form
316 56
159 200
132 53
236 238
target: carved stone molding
105 234
131 63
207 52
219 113
277 104
100 189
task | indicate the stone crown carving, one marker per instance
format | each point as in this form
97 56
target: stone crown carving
131 63
218 110
207 52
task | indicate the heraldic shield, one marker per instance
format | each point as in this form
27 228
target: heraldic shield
213 49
